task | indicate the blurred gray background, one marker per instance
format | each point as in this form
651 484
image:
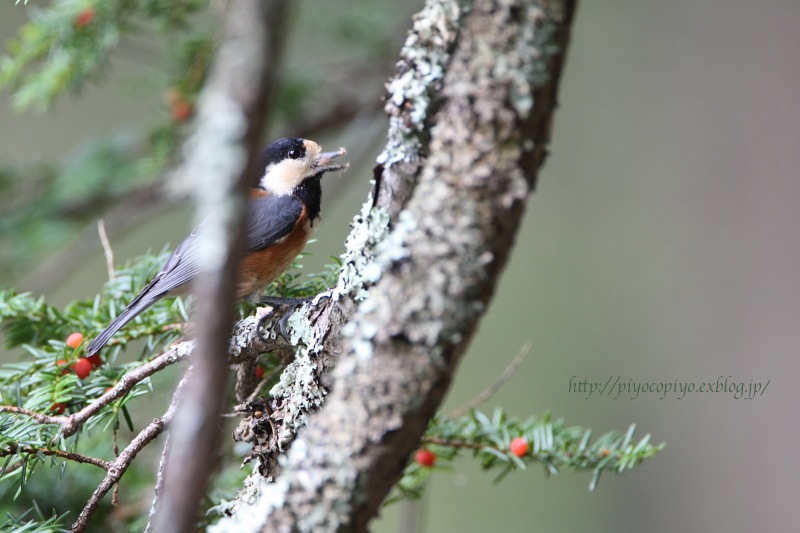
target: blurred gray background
662 244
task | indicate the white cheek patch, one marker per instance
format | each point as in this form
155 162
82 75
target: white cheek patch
281 178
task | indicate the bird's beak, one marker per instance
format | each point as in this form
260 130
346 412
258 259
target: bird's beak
324 161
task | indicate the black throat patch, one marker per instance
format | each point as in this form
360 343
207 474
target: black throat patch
310 193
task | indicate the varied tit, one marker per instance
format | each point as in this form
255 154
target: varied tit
281 214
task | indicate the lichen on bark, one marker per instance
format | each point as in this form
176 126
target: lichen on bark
425 254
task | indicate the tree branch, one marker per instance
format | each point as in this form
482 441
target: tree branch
437 270
70 424
471 109
222 166
117 468
70 456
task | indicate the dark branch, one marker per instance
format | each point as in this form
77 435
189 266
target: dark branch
70 456
116 469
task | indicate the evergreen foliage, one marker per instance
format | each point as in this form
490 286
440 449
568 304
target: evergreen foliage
63 47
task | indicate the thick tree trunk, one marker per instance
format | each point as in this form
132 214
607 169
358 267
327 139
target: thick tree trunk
471 112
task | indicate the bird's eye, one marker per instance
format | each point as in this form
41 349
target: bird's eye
294 154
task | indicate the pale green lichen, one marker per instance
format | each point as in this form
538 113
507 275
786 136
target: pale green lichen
182 351
526 65
393 247
300 327
243 333
299 382
420 71
248 512
369 228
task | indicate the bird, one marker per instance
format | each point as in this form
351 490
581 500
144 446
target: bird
282 211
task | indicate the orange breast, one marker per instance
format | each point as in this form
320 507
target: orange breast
260 268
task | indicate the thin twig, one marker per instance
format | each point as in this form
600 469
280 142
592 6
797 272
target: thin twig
115 494
159 488
494 387
70 456
70 424
107 250
251 344
118 467
459 444
39 417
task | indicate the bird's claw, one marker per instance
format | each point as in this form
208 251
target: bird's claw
290 305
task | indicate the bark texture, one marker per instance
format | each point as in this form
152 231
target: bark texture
471 112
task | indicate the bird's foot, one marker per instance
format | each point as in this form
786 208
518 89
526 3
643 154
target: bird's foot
289 306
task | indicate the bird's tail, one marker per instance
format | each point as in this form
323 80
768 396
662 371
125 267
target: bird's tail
136 306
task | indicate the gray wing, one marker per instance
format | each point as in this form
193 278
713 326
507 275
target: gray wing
181 268
269 219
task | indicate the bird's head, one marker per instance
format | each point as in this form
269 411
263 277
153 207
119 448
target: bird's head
290 161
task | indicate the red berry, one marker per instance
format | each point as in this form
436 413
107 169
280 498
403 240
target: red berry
519 446
425 457
58 408
60 363
82 368
75 340
259 372
181 110
84 18
95 360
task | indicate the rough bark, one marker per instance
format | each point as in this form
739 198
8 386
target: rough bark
471 112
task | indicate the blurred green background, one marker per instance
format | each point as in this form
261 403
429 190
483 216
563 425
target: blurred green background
662 244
